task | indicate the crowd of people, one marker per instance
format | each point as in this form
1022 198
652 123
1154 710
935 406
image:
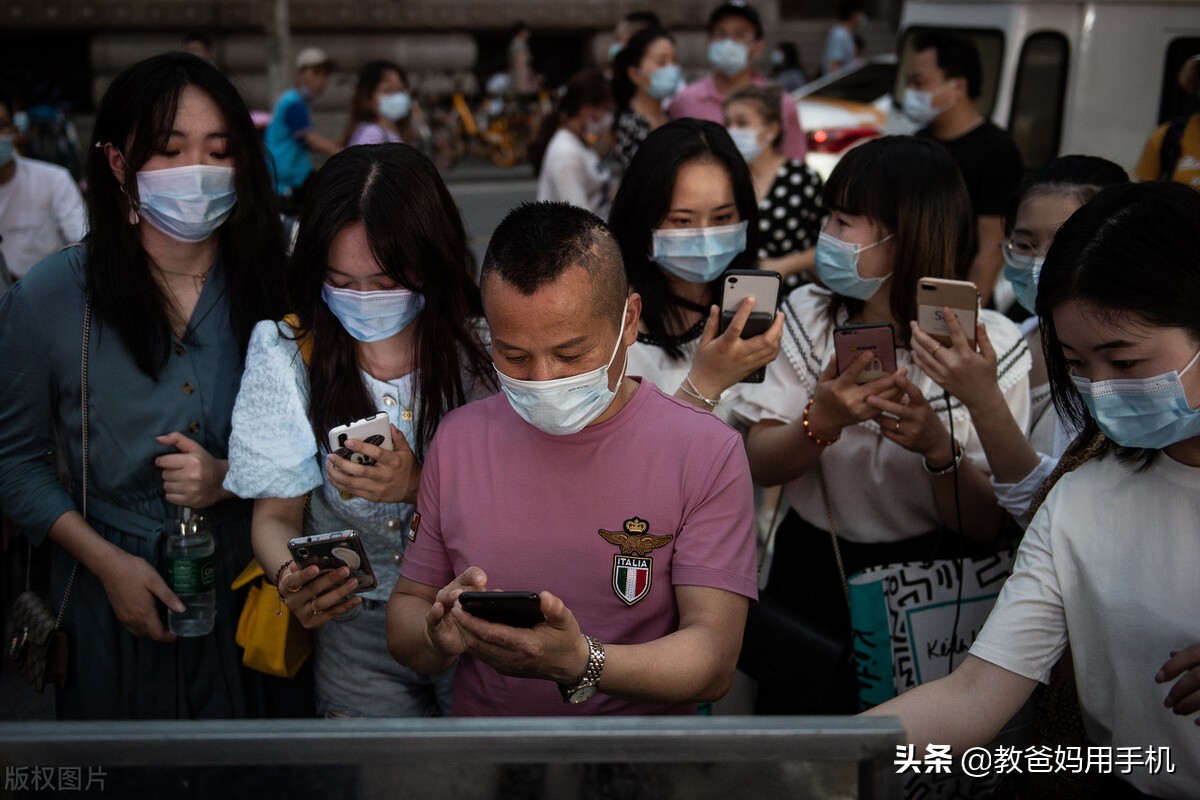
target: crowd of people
578 423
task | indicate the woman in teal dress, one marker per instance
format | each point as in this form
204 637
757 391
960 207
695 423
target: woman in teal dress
184 255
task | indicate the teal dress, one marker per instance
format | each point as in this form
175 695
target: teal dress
114 675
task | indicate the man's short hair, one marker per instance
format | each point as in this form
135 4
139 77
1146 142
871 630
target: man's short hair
848 8
743 10
536 243
957 57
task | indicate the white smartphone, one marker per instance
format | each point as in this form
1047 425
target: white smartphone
375 429
961 296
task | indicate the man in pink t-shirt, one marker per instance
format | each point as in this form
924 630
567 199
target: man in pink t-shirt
735 42
629 511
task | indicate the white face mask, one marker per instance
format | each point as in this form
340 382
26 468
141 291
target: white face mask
563 406
186 203
918 105
746 141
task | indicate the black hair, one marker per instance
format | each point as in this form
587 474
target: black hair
957 57
631 55
588 87
136 116
417 236
202 38
647 18
848 8
644 199
7 100
536 243
912 188
370 75
1081 176
1133 250
743 10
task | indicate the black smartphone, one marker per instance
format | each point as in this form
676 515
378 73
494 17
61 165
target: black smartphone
518 609
764 286
331 551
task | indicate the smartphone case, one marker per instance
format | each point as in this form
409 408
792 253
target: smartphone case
330 551
933 294
850 340
517 609
375 429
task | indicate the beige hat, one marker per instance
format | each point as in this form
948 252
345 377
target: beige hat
1189 76
313 57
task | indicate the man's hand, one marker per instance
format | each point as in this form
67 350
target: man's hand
442 629
554 650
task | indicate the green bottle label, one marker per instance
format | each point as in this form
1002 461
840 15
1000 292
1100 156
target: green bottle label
191 575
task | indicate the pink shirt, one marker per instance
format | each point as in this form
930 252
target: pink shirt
536 512
701 100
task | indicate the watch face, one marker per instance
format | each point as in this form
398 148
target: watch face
582 693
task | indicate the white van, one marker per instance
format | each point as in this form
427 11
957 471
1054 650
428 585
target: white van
1071 77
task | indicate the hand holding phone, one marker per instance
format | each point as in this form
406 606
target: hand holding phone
764 286
516 609
933 294
330 551
850 341
375 429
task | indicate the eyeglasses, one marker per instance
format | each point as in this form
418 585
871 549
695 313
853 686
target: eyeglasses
1021 255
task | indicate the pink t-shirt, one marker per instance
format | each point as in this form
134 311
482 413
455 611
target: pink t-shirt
701 100
536 511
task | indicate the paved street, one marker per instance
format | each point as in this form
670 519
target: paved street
484 195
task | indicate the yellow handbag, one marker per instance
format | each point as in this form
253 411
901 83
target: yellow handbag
272 639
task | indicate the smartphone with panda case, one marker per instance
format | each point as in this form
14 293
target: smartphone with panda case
961 296
764 286
330 551
518 609
375 429
851 340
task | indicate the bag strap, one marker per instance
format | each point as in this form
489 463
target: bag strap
83 395
837 551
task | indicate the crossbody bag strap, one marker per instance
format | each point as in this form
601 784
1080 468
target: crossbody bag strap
83 393
837 551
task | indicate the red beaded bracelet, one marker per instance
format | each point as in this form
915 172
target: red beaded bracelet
279 573
808 428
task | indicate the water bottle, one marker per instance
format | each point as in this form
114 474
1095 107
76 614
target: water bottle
191 574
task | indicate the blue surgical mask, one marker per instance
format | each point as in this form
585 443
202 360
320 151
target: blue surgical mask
663 82
746 141
395 107
186 203
917 105
613 49
1142 412
373 316
698 255
6 149
563 406
21 121
1023 273
837 267
728 57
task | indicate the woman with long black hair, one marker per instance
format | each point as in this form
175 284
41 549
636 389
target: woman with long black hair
387 318
184 256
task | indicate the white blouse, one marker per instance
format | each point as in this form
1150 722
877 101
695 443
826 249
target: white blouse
879 491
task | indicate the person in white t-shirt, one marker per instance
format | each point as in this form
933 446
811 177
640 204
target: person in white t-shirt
567 166
1111 562
41 210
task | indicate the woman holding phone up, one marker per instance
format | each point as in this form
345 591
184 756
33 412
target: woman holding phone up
185 254
874 460
684 214
1108 565
387 319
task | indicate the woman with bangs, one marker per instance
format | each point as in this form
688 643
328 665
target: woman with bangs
874 461
386 318
184 256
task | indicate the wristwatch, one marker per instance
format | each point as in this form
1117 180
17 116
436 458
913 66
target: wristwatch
590 682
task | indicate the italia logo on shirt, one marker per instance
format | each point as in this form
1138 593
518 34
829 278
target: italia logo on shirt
633 569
